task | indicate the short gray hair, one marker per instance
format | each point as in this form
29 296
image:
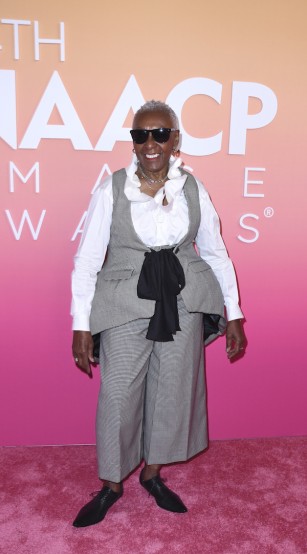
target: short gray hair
156 105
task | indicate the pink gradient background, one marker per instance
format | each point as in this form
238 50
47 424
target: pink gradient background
44 399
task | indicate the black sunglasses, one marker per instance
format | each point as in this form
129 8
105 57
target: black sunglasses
139 136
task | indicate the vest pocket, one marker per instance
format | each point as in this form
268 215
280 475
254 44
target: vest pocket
117 274
198 265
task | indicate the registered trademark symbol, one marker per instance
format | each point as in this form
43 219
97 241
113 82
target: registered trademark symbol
268 212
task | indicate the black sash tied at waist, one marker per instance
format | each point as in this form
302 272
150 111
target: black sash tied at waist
162 279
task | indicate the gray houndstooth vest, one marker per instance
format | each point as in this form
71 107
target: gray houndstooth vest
115 301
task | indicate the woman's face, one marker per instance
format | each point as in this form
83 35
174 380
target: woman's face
153 156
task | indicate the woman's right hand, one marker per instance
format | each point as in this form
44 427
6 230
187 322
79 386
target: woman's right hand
82 351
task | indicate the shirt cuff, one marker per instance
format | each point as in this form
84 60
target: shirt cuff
80 322
234 312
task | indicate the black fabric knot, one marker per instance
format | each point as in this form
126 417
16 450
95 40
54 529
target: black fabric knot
162 279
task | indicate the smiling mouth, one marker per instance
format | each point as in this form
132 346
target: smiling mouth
151 156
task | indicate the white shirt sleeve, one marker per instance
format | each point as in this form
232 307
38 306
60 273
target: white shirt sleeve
212 249
91 254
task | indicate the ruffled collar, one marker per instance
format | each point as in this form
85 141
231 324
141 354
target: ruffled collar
171 189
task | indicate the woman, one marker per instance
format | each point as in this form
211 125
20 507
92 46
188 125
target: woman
147 305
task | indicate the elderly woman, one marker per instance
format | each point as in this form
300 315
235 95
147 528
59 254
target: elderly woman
141 287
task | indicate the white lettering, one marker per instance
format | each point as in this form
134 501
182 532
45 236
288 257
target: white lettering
131 98
8 125
34 169
25 218
16 23
105 169
56 96
244 226
240 119
38 41
79 229
72 128
176 99
247 182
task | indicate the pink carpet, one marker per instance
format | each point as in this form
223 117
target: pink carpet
244 497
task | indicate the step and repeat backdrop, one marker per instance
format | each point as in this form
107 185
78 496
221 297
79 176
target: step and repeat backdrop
71 77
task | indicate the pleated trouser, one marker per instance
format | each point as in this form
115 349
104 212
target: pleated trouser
152 400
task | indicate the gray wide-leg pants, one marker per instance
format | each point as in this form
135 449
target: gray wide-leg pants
152 402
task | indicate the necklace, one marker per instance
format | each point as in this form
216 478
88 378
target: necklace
152 181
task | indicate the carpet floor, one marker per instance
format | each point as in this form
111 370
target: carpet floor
244 497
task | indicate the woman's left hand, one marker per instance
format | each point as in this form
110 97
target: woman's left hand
235 338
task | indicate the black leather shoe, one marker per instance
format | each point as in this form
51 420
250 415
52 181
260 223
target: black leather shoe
164 497
95 510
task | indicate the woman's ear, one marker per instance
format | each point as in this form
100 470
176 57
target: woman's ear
176 147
